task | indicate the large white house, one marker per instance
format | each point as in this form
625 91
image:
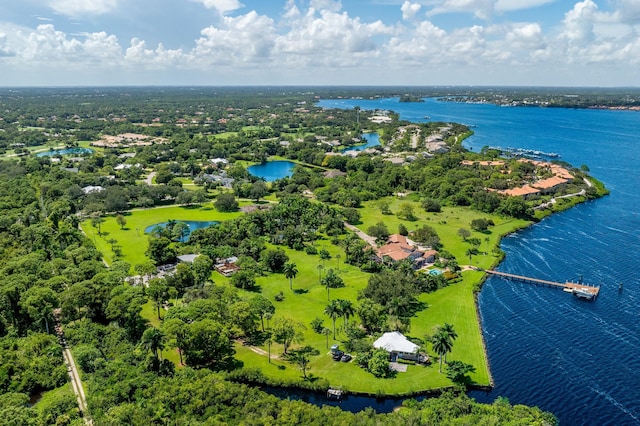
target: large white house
398 346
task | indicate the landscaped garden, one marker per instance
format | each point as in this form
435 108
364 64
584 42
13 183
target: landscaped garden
308 298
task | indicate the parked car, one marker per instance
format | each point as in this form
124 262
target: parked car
337 355
345 358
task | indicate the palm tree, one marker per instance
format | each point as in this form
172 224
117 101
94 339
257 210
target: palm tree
290 271
153 340
269 341
346 309
320 268
470 252
442 344
326 331
333 311
448 329
324 255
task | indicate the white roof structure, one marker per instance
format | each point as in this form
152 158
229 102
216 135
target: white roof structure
89 189
187 258
395 342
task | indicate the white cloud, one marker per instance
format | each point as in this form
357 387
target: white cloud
78 8
627 11
525 36
329 38
482 9
578 22
291 10
243 40
49 48
159 58
409 10
222 6
329 5
511 5
315 41
4 46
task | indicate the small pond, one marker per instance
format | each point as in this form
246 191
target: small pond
192 225
66 151
272 170
372 140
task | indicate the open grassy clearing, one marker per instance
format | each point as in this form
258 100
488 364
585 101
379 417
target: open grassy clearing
454 304
223 135
446 223
51 397
132 238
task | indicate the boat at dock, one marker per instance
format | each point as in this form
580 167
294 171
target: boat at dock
334 393
584 293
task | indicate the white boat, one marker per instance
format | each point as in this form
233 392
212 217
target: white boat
583 293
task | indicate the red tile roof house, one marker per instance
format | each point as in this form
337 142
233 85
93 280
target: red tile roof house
525 191
398 248
550 185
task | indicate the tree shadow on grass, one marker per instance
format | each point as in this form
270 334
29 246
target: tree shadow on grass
301 291
228 365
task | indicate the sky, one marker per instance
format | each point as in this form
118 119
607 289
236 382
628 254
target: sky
320 42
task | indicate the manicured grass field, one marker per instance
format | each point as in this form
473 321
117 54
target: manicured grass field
454 304
308 299
132 238
446 223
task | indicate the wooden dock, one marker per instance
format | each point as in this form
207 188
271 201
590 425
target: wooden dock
583 291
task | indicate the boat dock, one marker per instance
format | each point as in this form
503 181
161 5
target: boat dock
334 393
580 290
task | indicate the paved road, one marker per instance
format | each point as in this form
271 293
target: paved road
366 238
149 179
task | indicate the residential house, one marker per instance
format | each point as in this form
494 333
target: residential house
398 346
227 267
399 248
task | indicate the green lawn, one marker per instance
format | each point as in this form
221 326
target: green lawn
132 238
446 223
225 135
454 304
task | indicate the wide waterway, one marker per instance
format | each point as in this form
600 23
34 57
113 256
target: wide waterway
579 360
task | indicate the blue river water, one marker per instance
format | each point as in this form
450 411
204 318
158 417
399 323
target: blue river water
577 359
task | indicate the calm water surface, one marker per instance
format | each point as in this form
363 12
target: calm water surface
65 151
272 170
372 139
578 359
191 224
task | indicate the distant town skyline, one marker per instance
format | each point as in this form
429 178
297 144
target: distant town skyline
320 42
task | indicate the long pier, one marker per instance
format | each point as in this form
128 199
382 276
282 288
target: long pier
583 291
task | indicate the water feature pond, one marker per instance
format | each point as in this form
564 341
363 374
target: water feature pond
192 225
272 170
372 140
65 151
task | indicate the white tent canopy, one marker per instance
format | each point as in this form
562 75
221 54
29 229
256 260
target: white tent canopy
395 342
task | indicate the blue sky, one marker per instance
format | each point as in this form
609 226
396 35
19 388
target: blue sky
320 42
